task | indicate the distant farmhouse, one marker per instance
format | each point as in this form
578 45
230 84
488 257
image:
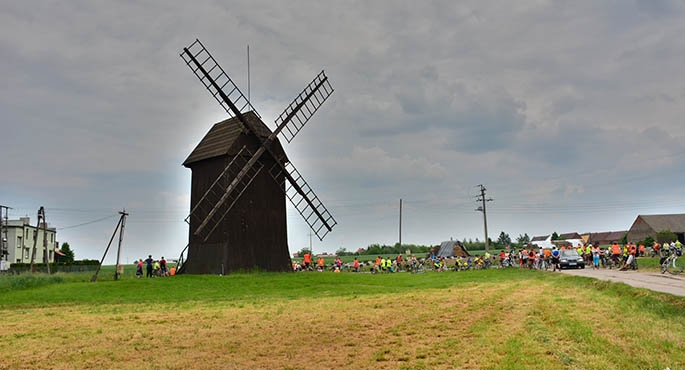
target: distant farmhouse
649 225
545 241
606 237
20 242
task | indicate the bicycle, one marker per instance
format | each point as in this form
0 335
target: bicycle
672 264
418 268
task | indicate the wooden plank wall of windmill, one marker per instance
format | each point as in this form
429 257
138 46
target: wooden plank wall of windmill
253 234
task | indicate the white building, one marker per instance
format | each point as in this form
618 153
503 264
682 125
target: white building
20 242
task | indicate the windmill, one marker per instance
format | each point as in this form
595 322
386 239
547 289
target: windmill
241 177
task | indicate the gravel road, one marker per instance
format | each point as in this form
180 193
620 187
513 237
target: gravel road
653 280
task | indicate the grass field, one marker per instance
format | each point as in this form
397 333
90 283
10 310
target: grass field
510 319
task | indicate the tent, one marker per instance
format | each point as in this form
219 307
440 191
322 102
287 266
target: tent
452 248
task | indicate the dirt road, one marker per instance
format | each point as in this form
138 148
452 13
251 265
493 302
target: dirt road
643 279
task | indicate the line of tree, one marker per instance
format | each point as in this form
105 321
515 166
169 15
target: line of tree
503 240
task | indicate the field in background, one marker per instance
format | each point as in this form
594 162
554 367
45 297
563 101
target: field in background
476 319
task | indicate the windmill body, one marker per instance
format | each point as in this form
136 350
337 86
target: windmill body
241 178
254 233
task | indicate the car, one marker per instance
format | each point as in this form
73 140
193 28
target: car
569 258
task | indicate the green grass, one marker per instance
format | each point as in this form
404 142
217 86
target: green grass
506 318
40 289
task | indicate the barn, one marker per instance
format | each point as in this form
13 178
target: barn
649 225
254 233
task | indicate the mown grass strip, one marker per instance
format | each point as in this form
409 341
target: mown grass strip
513 319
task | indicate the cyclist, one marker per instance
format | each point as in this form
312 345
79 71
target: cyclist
555 258
615 254
531 258
595 257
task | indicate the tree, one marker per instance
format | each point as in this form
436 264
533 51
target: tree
624 239
555 236
68 253
342 252
649 241
523 239
304 251
666 236
503 239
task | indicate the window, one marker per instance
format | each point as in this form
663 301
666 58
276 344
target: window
26 253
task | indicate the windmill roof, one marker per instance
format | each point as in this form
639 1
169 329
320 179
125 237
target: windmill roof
222 135
674 222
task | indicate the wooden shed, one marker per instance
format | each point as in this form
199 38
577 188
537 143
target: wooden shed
253 234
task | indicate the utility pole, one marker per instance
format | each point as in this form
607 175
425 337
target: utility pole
400 224
4 223
46 255
310 243
121 238
481 198
120 229
41 216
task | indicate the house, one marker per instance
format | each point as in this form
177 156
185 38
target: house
606 237
544 241
649 225
20 235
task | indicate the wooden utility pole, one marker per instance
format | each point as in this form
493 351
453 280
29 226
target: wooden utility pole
121 238
400 225
481 198
40 216
46 255
117 228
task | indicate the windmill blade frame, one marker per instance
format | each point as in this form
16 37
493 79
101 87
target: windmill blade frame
319 88
303 107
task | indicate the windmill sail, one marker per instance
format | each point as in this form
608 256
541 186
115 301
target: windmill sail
303 107
224 192
213 77
302 196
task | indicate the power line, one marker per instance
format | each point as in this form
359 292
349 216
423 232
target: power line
86 223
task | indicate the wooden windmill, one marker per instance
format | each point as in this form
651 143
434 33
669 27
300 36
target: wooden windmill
241 177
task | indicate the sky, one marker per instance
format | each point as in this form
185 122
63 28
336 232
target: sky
568 113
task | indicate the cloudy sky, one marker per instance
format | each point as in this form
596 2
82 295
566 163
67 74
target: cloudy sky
569 113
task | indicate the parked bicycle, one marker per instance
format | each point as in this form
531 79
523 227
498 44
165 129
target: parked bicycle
673 264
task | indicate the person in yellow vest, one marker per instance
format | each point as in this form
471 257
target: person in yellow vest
587 254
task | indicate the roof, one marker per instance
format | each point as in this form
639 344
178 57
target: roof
606 236
674 222
221 137
447 249
569 236
539 238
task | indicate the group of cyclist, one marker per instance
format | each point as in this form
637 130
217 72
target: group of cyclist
615 256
